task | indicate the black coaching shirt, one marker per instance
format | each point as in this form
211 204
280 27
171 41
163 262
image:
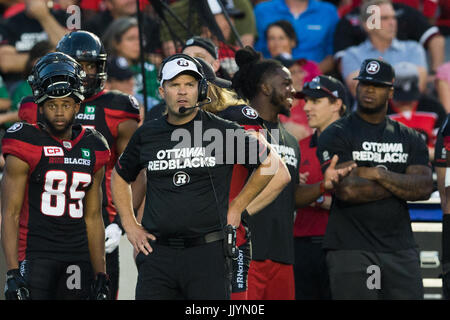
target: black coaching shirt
189 170
383 225
272 228
51 223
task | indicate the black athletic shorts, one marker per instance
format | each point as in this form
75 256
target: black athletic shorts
55 280
361 275
196 273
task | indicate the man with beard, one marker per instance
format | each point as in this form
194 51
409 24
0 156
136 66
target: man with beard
371 249
52 227
267 85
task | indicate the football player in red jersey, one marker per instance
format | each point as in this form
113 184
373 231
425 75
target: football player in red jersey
52 232
114 114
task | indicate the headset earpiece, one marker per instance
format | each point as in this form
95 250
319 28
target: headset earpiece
202 90
202 83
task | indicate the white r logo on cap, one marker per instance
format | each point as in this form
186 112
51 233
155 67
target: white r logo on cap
372 67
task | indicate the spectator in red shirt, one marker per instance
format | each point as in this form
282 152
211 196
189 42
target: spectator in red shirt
325 99
427 7
414 109
443 20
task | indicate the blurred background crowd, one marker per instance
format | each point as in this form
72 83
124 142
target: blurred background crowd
310 37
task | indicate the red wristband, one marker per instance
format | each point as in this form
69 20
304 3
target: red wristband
322 187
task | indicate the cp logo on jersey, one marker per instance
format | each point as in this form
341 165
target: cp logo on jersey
250 112
53 152
373 67
181 178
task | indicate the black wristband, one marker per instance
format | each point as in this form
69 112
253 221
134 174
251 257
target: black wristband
245 215
13 273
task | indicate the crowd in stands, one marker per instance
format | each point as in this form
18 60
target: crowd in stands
310 37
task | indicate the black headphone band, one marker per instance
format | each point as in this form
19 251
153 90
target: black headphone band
177 56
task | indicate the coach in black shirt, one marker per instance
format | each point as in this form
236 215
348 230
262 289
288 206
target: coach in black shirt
188 155
371 249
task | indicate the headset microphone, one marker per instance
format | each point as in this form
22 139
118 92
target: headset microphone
199 105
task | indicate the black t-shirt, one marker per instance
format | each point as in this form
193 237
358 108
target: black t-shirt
412 25
272 227
186 173
440 152
380 226
51 223
23 32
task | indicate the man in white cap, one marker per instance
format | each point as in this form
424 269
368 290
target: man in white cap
182 243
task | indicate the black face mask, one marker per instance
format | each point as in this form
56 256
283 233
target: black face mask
90 85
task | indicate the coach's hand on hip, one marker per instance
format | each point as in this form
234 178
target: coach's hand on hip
138 237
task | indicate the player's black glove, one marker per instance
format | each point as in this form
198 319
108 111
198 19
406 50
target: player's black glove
15 286
100 288
446 285
230 242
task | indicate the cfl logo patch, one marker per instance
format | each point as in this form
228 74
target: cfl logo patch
181 178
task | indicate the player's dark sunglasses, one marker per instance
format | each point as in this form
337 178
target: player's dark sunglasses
315 85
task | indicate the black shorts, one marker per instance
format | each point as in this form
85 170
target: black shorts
359 274
55 280
195 273
310 269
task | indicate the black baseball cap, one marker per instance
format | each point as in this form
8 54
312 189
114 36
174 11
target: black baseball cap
210 75
323 86
118 68
406 85
376 71
204 43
